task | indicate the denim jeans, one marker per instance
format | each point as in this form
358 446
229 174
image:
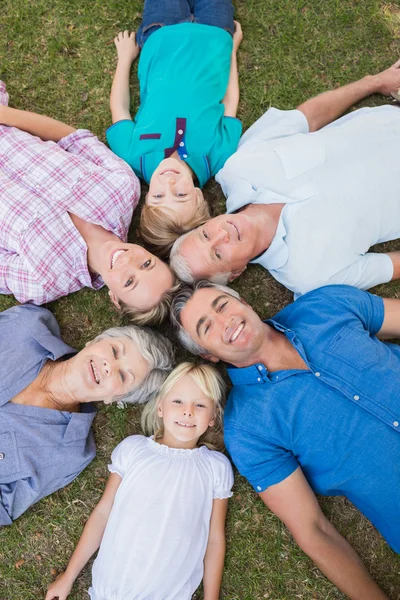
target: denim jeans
158 13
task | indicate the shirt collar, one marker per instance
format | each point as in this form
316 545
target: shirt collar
257 373
277 254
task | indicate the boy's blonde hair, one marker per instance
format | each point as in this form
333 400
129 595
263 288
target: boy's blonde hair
159 228
211 384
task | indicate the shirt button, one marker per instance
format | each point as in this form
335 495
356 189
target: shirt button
180 131
2 455
396 423
181 143
258 378
184 155
317 374
356 397
260 368
259 488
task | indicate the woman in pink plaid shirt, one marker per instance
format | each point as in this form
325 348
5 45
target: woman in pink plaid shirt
65 210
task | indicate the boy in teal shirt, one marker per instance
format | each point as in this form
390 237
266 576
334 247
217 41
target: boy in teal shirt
185 128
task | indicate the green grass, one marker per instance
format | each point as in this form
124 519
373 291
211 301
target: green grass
57 57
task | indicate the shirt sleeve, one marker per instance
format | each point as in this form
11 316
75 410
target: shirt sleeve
362 306
231 132
274 124
17 279
260 460
123 454
120 139
84 143
223 476
369 270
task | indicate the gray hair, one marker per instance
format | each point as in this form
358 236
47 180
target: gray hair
180 265
178 304
158 352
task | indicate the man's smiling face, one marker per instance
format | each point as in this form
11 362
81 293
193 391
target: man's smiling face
225 326
224 244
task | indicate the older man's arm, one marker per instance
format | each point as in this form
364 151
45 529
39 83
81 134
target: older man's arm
327 107
293 501
44 127
391 322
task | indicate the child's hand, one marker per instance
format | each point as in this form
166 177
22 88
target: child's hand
127 48
60 588
237 36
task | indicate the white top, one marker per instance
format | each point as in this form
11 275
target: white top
156 536
341 187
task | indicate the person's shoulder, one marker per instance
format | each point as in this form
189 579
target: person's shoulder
28 316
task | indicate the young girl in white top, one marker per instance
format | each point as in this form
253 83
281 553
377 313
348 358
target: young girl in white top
160 523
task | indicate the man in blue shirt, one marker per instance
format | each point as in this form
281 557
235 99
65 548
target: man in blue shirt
315 407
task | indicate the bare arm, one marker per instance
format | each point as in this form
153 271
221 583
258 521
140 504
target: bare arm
128 51
327 107
295 504
215 553
391 323
231 98
44 127
89 542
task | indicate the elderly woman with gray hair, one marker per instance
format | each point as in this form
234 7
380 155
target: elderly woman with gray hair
46 395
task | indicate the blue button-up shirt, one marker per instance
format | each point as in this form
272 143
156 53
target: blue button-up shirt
339 420
41 450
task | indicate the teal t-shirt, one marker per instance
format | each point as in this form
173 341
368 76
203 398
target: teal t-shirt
183 74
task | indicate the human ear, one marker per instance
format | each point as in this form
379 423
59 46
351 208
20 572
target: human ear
236 273
159 410
212 423
114 299
210 357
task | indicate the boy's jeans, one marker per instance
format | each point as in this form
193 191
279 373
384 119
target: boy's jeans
157 13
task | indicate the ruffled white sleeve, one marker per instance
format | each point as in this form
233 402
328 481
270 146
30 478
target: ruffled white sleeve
123 454
223 476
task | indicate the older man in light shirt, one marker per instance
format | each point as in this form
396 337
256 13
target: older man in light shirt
308 195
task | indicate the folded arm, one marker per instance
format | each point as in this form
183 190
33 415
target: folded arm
46 128
293 501
231 98
327 107
128 51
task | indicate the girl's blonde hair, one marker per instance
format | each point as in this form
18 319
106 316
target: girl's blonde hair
159 228
211 384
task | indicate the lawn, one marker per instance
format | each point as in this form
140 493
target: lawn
57 57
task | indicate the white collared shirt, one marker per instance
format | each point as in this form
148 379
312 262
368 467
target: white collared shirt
341 189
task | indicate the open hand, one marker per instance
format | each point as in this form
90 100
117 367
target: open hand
237 36
389 80
60 588
127 48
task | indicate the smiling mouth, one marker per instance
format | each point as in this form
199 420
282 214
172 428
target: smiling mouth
95 372
184 424
237 332
236 229
114 257
170 171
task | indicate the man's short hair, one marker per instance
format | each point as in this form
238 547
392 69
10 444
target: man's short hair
178 304
179 264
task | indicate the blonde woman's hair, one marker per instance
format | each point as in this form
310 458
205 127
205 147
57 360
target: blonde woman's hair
211 384
150 316
159 228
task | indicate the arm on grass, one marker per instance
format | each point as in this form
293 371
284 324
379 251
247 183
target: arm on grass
293 501
231 98
215 553
89 542
44 127
327 107
120 98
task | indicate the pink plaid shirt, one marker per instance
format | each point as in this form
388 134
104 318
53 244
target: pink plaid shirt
42 254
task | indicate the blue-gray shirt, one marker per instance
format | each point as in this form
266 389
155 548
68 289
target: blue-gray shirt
41 450
339 420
